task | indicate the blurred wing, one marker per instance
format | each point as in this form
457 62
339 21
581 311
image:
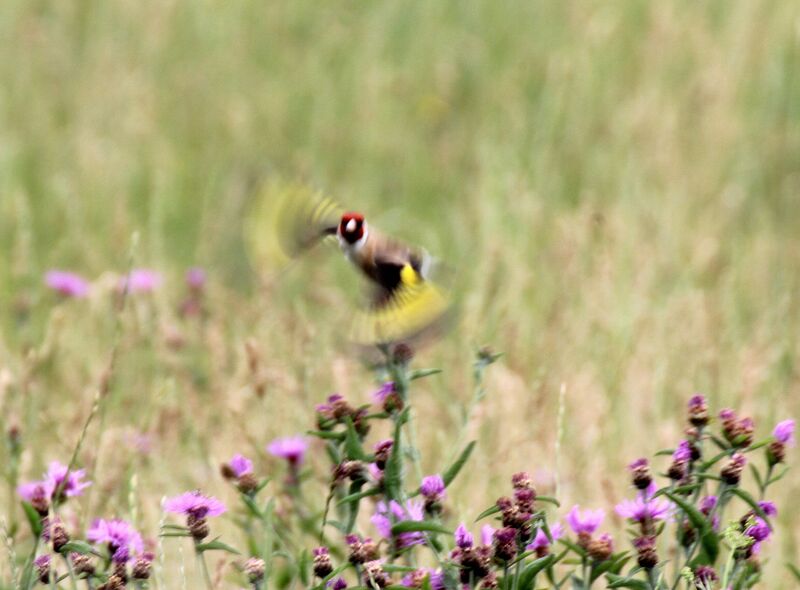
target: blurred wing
286 220
404 313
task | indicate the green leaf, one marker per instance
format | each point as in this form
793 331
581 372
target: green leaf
413 526
775 478
752 502
488 512
526 578
326 434
794 569
355 488
81 547
352 444
34 520
613 564
175 534
251 505
548 500
615 581
394 568
355 497
566 542
216 546
452 471
708 538
421 373
304 567
718 457
760 444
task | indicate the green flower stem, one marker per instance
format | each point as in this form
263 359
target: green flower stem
201 562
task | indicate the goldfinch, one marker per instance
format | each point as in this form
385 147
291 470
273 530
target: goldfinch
405 303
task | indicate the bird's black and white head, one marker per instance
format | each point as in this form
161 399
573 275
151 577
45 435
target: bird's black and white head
352 231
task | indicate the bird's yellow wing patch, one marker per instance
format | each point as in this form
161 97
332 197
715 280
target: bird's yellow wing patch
413 307
286 220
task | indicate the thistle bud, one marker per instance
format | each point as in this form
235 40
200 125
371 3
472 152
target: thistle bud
505 544
383 451
646 555
198 527
42 565
247 483
375 576
600 549
322 562
59 535
698 411
82 564
640 474
254 570
142 566
732 472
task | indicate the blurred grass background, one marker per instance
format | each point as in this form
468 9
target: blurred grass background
615 184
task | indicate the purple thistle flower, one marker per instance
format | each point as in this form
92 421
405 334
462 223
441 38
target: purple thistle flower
644 507
337 584
708 504
384 392
432 487
697 401
540 541
121 537
71 485
784 432
487 535
327 408
241 465
386 515
141 280
769 508
638 464
585 521
417 577
34 489
194 504
291 448
463 537
67 283
196 278
683 453
42 562
759 531
727 415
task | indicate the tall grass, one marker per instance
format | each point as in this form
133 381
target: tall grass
615 185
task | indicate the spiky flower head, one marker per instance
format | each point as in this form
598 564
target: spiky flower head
387 514
646 555
322 562
120 536
585 521
463 537
732 472
645 508
195 504
254 569
42 565
640 473
141 280
698 411
67 284
432 487
601 548
541 544
291 448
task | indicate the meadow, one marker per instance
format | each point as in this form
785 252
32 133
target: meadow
615 187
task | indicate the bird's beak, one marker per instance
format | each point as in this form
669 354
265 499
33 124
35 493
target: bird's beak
351 225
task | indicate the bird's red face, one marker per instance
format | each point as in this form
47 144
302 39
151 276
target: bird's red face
351 227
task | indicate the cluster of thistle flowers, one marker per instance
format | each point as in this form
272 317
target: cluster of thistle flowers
71 285
112 553
697 512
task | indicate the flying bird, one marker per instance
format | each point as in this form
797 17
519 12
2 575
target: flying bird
404 304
